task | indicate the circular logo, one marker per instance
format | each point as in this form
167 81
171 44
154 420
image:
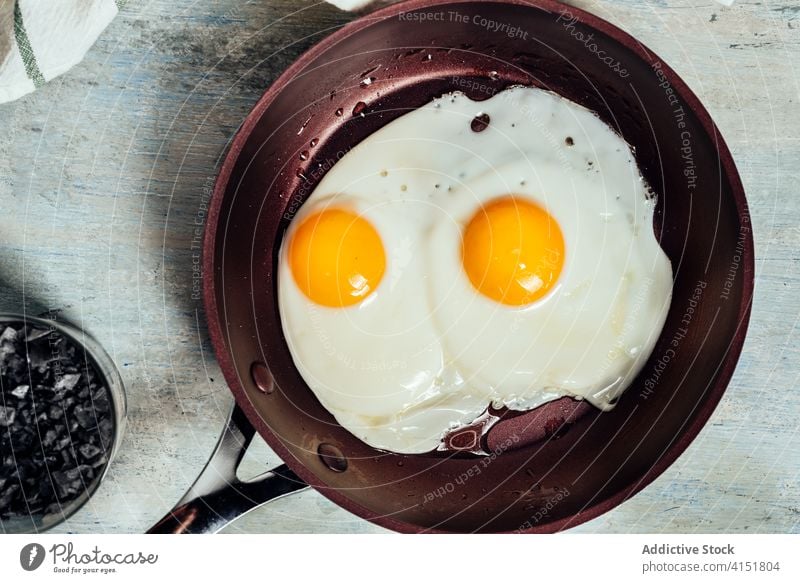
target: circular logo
31 556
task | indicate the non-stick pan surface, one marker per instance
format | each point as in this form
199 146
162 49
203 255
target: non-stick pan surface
544 474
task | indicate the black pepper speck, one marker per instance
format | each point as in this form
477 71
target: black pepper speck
480 122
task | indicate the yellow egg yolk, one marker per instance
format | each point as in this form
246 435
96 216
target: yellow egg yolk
336 257
513 251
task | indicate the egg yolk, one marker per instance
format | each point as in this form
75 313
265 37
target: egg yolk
336 257
513 251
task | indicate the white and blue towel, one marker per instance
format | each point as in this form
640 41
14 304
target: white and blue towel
41 40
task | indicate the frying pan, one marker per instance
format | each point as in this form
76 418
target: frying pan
542 471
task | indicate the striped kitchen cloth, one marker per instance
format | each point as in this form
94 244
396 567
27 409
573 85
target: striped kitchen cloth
41 40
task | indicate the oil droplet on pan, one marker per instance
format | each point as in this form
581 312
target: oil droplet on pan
360 106
332 457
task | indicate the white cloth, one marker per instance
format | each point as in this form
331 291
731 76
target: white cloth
41 40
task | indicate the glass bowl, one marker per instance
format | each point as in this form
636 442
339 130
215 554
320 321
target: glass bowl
94 357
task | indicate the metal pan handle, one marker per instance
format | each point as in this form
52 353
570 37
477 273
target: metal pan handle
218 497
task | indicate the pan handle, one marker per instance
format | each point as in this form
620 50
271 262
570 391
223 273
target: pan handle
218 497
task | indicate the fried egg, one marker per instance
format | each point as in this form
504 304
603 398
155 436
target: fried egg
471 254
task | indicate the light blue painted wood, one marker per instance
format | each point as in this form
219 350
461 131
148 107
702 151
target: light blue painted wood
102 173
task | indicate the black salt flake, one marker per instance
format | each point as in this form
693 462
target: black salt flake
85 417
21 391
7 415
100 400
89 451
33 333
49 438
67 382
8 336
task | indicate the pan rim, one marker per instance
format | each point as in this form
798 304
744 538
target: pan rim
218 335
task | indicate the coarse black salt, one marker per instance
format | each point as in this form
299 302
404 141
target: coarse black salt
57 423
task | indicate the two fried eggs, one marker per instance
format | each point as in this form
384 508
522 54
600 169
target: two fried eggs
471 254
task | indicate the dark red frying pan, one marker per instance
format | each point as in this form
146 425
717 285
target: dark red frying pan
548 469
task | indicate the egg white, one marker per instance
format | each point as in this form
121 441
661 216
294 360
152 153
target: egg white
426 352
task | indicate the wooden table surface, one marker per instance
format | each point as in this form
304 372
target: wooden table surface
103 170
